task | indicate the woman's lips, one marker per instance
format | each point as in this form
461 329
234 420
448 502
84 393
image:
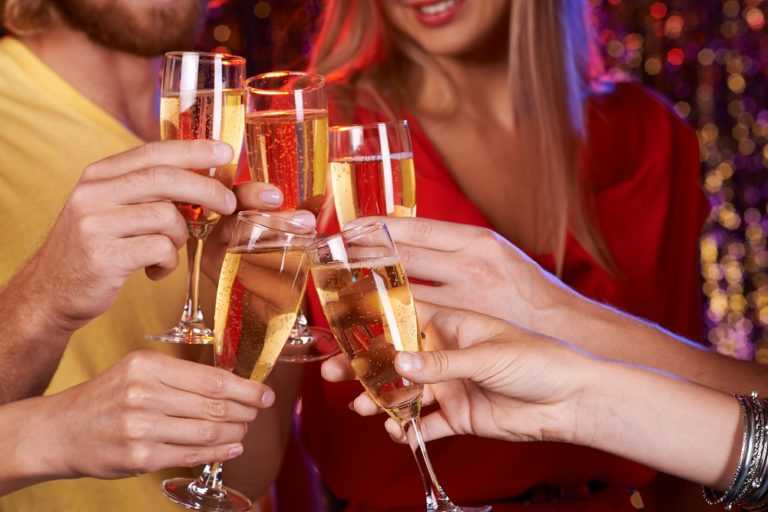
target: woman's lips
435 13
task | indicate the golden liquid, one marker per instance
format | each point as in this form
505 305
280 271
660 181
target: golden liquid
366 186
291 154
256 306
197 122
372 313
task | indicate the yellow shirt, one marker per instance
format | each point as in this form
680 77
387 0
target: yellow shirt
49 133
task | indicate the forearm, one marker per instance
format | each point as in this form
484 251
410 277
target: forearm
611 334
679 428
25 446
32 342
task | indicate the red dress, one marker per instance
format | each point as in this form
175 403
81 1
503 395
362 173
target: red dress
643 162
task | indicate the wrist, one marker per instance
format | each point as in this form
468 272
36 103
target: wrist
593 404
35 302
37 446
555 308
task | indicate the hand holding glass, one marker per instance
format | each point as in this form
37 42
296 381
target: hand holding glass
368 303
261 285
202 98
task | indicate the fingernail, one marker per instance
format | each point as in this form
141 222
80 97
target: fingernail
231 200
305 219
268 398
222 150
235 451
408 362
271 196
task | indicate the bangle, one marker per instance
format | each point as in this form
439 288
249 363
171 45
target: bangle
757 498
749 485
711 496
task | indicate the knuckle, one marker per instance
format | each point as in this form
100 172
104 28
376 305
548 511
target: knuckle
141 180
136 362
90 171
133 427
165 248
208 433
479 271
217 409
87 226
139 457
159 176
487 237
164 213
80 199
149 152
135 396
441 362
216 385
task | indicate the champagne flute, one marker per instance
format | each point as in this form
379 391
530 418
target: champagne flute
201 98
287 143
367 300
261 284
372 171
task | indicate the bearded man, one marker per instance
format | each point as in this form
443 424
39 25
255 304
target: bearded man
78 83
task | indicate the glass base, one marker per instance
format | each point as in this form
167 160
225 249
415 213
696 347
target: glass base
450 507
187 493
313 344
186 333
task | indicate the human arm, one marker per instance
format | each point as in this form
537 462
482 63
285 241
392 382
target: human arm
463 259
496 380
148 412
119 218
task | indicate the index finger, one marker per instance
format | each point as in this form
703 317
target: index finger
418 232
186 154
215 383
456 328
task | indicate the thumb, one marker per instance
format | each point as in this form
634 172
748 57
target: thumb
438 366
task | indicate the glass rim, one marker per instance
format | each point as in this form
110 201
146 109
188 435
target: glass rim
357 231
245 216
341 128
317 82
227 59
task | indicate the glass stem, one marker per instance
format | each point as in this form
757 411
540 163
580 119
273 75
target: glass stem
193 312
436 498
211 476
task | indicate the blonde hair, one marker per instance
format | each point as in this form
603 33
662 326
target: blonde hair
553 65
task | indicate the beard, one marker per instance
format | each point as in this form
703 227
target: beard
138 28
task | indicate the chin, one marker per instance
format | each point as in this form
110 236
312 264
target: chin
449 46
449 28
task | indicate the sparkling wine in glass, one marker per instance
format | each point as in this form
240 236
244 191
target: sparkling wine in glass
367 300
261 284
201 98
287 144
372 171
